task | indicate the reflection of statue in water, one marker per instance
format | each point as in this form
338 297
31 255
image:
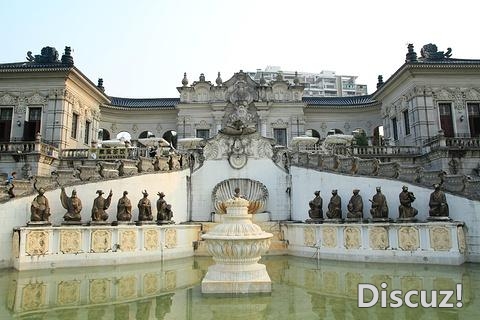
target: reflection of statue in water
438 203
124 208
100 204
316 211
72 204
163 305
335 206
355 206
40 209
405 210
379 208
145 208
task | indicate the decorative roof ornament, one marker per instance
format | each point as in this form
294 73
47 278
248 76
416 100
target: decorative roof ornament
296 81
411 55
47 55
100 84
184 80
67 56
380 81
263 82
279 76
430 52
202 77
219 80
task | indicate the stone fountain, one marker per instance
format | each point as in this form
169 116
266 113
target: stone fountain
236 246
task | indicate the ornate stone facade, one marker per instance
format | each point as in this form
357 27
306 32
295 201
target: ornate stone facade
352 238
101 240
37 243
70 241
408 238
440 238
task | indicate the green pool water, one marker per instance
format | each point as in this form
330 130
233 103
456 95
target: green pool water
301 289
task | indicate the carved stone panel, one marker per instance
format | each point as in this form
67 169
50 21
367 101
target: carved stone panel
170 280
462 243
171 238
99 291
70 241
16 244
151 239
101 240
408 238
128 240
34 296
37 243
440 239
352 279
378 238
127 287
150 283
330 281
352 238
68 292
309 238
329 237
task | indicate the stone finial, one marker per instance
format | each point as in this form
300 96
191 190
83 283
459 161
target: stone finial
219 80
262 80
380 81
411 55
279 76
67 56
296 81
184 80
202 77
100 84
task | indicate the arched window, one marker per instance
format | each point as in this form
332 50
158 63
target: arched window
103 134
171 137
146 134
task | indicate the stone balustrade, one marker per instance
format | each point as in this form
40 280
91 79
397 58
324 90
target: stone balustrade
432 242
67 246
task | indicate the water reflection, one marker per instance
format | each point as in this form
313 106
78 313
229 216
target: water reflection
302 289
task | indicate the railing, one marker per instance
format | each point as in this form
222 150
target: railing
105 153
459 141
362 151
28 147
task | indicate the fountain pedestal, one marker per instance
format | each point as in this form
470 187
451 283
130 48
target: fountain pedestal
236 246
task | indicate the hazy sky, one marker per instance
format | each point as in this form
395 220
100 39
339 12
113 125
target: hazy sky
142 48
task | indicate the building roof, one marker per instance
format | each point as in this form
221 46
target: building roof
339 101
31 66
163 103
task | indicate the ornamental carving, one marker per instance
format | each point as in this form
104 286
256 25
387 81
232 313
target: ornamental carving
151 239
101 240
329 237
472 94
309 238
128 240
68 292
127 287
20 108
36 99
352 238
440 239
70 241
458 97
254 191
8 100
99 291
170 238
150 284
442 94
462 243
408 238
170 280
378 238
33 296
37 243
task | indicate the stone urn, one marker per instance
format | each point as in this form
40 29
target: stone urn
236 246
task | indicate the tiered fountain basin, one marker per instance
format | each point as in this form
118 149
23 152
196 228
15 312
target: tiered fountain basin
236 246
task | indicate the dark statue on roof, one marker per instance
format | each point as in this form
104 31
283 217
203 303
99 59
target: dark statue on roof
47 55
430 52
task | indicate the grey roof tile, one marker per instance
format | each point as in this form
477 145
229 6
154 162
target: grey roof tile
144 102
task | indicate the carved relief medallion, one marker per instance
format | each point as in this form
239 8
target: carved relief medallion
37 243
352 238
68 292
329 237
150 283
127 287
101 240
128 240
378 238
170 238
170 280
309 238
151 239
408 239
99 290
33 296
70 241
440 239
